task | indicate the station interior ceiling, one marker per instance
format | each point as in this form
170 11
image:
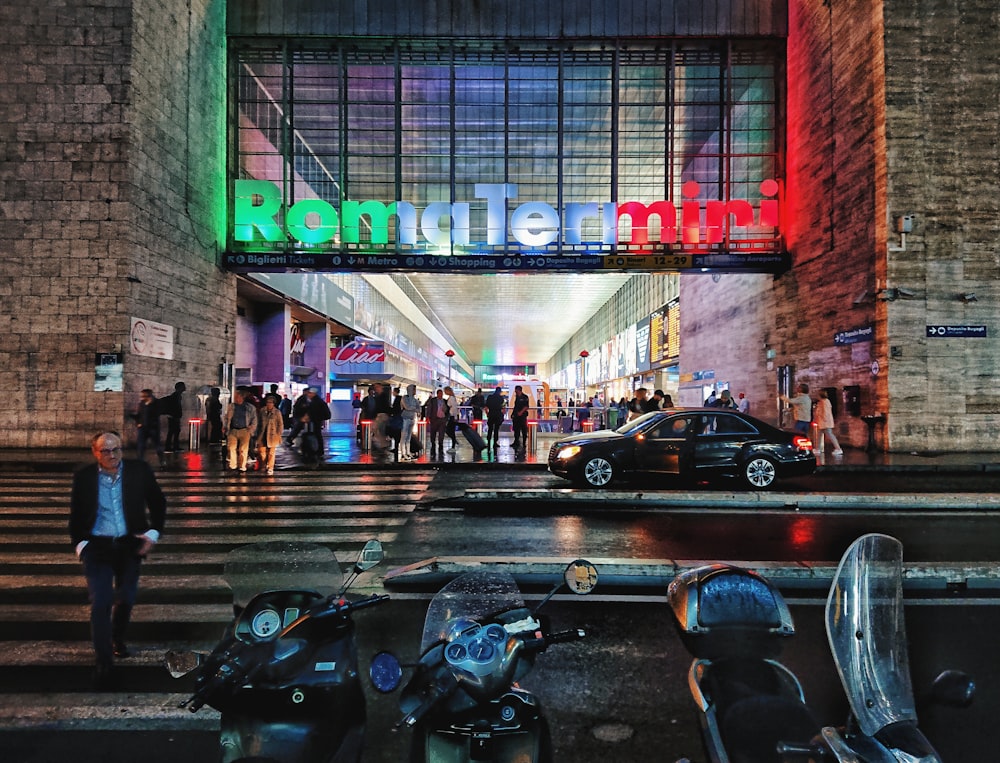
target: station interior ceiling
493 319
510 319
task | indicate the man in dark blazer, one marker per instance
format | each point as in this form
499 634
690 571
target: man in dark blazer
117 511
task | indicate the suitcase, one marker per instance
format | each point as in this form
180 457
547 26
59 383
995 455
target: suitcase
472 437
415 445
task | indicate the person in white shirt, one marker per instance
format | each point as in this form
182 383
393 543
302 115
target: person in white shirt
453 413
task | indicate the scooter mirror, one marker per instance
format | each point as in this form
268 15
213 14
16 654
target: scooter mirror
580 577
385 672
179 664
953 688
371 556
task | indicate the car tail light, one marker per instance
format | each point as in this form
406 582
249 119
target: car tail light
803 443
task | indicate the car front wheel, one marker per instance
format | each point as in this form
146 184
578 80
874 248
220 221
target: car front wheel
759 472
598 472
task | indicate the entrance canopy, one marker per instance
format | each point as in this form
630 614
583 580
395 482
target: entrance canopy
471 156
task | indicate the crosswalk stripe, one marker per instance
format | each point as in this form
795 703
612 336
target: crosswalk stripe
183 601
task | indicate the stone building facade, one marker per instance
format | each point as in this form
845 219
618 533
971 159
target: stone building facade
892 124
114 202
113 207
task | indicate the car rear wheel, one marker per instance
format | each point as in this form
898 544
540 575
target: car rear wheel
598 472
759 472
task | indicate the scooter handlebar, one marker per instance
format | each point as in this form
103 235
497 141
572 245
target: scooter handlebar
791 751
437 691
563 636
366 602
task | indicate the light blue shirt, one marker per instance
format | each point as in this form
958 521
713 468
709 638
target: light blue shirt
110 520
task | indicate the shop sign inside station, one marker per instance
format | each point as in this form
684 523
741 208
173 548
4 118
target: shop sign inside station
312 234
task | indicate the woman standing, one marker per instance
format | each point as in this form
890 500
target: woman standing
824 422
271 425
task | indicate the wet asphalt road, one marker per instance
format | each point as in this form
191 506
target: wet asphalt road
621 694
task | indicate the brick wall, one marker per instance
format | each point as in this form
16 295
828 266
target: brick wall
112 194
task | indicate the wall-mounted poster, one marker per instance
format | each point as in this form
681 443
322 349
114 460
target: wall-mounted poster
108 372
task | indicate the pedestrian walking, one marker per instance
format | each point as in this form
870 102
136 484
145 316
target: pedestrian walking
172 406
269 433
437 421
494 417
213 414
240 422
147 426
117 513
453 414
824 422
409 406
801 408
519 418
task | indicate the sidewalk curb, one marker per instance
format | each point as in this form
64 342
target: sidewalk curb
485 498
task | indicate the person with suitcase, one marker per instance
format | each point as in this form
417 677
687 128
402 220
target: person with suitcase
409 407
494 417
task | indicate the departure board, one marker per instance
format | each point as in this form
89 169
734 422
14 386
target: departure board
665 333
672 329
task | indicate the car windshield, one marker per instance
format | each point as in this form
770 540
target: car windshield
635 425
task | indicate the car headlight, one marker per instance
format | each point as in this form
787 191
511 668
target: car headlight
568 452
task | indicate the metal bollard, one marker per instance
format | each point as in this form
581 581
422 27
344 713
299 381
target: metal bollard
194 434
366 435
817 438
532 436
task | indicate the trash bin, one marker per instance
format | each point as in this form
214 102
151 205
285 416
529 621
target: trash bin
194 434
612 418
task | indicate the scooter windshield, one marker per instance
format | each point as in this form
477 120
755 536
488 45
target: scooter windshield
867 634
280 566
472 596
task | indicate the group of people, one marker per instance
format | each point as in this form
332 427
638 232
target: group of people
251 425
393 419
147 421
805 413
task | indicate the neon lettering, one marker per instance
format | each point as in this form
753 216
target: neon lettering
257 207
357 352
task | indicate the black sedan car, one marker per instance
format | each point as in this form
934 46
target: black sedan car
694 443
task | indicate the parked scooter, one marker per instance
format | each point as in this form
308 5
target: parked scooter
285 674
479 639
867 634
752 708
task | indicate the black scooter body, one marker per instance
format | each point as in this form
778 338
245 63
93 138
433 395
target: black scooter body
508 728
733 622
304 702
284 676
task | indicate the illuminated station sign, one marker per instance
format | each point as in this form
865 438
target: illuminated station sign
732 235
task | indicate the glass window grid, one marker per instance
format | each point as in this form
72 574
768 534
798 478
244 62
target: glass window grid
487 111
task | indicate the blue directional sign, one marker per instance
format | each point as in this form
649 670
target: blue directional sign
510 262
860 334
940 331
